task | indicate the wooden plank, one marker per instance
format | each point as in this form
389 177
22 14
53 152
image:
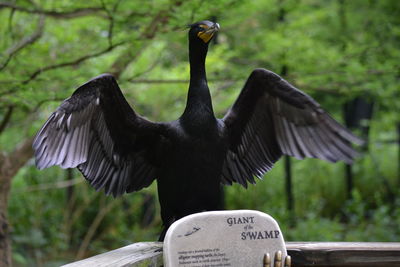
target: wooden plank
304 254
344 254
143 254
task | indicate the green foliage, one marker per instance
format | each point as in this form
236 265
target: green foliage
333 50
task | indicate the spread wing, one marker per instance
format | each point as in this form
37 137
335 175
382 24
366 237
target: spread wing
98 132
271 118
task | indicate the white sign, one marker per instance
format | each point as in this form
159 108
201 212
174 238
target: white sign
223 238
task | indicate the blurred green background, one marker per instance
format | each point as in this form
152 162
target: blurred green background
338 51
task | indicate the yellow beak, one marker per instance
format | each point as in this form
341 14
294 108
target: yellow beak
208 33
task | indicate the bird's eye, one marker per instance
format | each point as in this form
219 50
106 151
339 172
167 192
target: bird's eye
203 27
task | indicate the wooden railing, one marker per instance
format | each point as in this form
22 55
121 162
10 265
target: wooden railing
304 254
349 254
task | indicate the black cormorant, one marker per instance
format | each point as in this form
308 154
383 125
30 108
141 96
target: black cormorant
119 151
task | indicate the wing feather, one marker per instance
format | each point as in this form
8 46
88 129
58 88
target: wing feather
272 118
98 132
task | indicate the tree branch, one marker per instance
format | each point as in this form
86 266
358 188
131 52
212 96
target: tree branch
6 118
123 61
24 42
71 63
40 103
10 25
229 81
11 163
61 65
52 186
21 154
166 80
78 12
104 209
150 68
110 17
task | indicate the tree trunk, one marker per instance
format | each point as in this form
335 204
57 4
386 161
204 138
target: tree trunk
5 246
9 166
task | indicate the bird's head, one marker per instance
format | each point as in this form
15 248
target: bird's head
203 31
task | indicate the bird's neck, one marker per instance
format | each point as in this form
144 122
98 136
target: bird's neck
199 99
197 59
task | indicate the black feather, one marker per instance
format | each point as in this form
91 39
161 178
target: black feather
119 151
